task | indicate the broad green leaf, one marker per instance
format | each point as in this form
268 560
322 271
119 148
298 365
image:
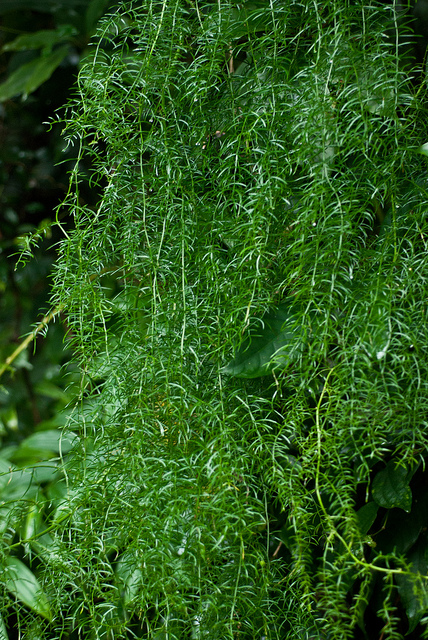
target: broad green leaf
391 487
273 346
44 39
7 452
33 531
424 149
30 76
414 590
130 576
51 390
401 530
9 418
57 492
366 516
33 522
46 471
20 485
5 473
3 632
45 547
51 440
40 447
23 584
63 507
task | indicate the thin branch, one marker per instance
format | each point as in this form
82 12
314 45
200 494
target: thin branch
24 344
42 324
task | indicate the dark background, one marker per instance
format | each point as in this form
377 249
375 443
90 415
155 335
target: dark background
34 170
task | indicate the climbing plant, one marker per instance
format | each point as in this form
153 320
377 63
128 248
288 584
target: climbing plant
247 306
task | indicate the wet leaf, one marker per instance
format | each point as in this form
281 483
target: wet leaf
391 487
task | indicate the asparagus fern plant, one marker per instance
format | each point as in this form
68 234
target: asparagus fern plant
247 304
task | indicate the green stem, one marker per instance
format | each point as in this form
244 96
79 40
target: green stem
41 533
24 344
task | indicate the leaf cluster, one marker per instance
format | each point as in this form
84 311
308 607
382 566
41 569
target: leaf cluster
247 305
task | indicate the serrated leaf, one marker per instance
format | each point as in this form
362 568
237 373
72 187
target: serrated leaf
391 487
30 76
23 584
273 346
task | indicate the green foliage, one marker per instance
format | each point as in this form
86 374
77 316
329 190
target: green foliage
271 346
38 384
32 74
53 46
20 581
247 304
391 488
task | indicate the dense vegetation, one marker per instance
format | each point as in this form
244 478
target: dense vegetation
246 432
